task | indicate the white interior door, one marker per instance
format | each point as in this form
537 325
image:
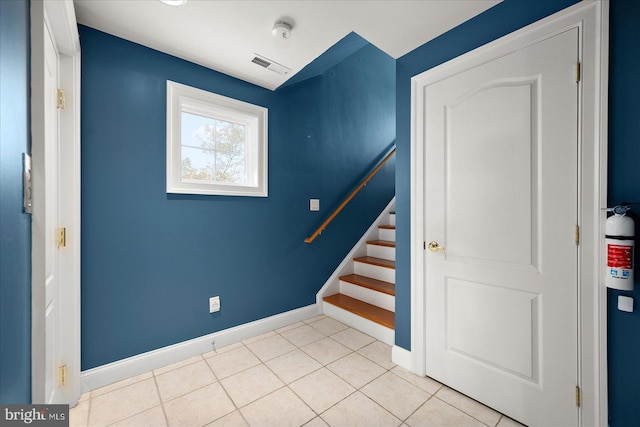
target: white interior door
500 182
53 352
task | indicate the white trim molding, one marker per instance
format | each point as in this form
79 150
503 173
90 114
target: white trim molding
58 18
186 101
145 362
591 18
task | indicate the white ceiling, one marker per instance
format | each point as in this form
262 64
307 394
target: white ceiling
225 35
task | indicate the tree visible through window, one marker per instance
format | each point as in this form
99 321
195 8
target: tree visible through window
215 150
215 145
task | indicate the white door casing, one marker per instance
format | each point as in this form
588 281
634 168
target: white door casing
500 146
55 151
589 19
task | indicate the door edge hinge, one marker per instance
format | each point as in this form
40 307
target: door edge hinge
578 72
576 234
578 396
62 375
62 237
61 100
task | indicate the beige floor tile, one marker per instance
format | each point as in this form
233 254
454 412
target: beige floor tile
326 350
293 365
315 319
508 422
250 385
321 389
438 413
199 407
289 327
84 396
303 335
379 352
316 422
271 347
177 365
356 369
153 417
79 416
472 407
353 339
358 410
233 419
123 403
184 380
259 337
328 326
278 409
396 395
231 362
429 385
221 350
120 384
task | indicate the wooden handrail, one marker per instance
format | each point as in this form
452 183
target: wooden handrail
348 199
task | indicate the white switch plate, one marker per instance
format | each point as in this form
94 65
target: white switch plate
314 204
625 304
214 304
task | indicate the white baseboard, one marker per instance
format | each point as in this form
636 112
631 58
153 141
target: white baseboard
401 357
141 363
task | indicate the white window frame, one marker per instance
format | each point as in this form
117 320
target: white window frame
182 98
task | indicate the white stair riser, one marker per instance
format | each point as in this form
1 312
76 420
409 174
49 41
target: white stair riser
366 326
387 234
375 272
392 219
379 299
384 252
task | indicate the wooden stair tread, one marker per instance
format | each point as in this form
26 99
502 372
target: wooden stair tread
387 243
387 263
370 283
363 309
387 227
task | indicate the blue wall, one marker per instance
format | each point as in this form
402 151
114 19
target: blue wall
624 186
150 261
15 226
496 22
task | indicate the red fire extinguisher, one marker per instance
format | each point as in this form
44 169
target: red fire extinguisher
619 239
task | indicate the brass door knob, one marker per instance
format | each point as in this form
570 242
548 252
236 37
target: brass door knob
435 247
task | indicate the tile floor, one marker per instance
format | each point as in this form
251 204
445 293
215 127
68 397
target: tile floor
314 373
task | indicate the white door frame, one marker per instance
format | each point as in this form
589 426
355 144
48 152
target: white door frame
57 17
592 18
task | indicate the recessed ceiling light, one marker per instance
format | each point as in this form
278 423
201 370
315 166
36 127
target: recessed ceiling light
174 2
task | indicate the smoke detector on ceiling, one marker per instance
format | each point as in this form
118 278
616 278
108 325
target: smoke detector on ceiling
174 2
282 33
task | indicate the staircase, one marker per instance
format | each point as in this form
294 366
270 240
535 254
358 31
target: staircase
364 297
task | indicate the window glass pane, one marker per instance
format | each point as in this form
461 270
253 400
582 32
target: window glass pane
212 150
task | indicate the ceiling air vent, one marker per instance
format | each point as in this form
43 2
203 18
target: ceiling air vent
270 65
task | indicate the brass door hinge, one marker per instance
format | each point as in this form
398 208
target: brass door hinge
576 234
62 375
61 100
578 72
577 396
62 237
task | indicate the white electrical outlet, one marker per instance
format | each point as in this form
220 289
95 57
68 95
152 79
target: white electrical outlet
314 204
214 304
